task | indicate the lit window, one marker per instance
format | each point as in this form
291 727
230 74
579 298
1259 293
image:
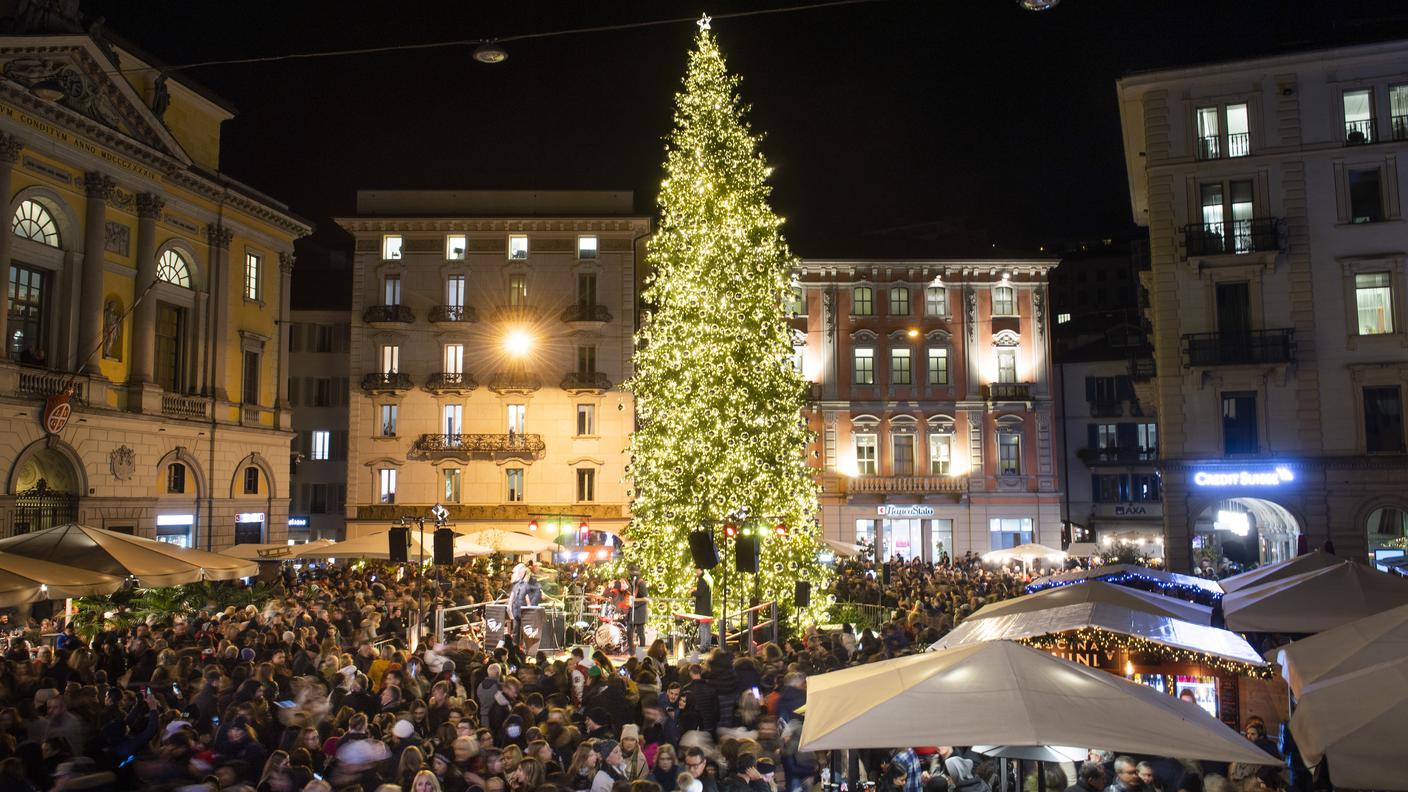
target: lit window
935 301
176 478
862 301
322 444
513 478
865 367
454 359
454 292
866 454
252 262
1238 131
391 290
1209 141
1009 454
172 267
1062 318
1007 532
1006 365
899 301
586 420
1373 294
517 418
251 481
518 246
33 221
517 290
586 247
386 485
940 454
1398 111
796 301
454 247
938 366
1358 117
388 420
391 247
1003 301
390 359
586 485
899 367
452 484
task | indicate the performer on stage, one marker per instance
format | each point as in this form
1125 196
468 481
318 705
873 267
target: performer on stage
526 591
703 606
639 613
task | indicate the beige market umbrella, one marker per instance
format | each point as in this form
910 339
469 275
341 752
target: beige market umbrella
274 551
512 542
25 579
1314 601
842 548
1097 591
1026 553
121 555
377 546
1282 569
1003 693
1349 647
1358 721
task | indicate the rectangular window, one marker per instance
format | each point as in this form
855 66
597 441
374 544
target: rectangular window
1242 210
1103 390
1009 454
1145 486
390 359
796 301
453 420
938 365
1238 131
1358 117
1209 139
899 301
1398 111
26 326
517 290
1373 295
586 360
1006 365
176 478
866 456
864 366
386 485
322 338
251 481
1062 318
1147 435
586 288
899 367
451 477
1366 195
586 420
1239 427
455 246
902 454
862 301
251 276
518 246
454 291
454 358
940 454
391 247
935 301
251 377
586 247
391 290
1383 420
586 485
1004 301
317 495
513 480
322 392
1109 487
1008 532
322 444
388 420
517 415
1106 438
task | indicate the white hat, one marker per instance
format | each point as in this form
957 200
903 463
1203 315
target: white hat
403 729
173 727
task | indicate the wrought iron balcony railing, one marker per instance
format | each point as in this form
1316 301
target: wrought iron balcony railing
1253 347
446 381
479 446
586 381
388 314
1233 238
514 382
1106 409
1209 147
583 312
1142 368
453 314
1118 456
1399 124
378 380
1008 391
1359 132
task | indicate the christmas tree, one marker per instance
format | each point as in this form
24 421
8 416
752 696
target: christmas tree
721 440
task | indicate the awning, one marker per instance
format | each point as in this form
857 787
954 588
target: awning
274 551
1098 591
1123 573
1314 601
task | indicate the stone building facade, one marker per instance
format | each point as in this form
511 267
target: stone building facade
319 392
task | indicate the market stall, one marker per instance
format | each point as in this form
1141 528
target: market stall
1314 601
1098 591
1317 559
1158 581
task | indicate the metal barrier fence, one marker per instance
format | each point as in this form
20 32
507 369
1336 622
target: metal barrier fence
860 615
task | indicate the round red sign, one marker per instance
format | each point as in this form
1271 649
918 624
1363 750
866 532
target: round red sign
56 412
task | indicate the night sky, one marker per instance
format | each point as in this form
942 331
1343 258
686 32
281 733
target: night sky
899 128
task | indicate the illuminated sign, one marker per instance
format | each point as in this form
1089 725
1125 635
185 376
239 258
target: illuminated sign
1245 478
298 522
898 511
175 519
249 517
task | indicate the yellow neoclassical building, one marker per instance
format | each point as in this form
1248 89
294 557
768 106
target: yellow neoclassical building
148 284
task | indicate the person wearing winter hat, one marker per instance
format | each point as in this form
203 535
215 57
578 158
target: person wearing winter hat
636 766
611 768
745 776
597 723
959 771
404 733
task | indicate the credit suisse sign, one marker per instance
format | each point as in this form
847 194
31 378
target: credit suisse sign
1262 477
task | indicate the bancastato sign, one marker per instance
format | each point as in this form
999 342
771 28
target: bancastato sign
1273 477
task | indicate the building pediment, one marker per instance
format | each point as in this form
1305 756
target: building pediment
69 81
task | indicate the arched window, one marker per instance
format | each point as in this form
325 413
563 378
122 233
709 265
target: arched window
172 268
33 221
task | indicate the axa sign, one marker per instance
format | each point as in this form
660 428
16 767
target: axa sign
1274 477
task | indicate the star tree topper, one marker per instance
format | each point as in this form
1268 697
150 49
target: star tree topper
703 22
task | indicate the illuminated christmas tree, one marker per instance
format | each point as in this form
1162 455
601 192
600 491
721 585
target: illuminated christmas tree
721 437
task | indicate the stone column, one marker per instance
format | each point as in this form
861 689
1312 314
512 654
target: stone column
9 154
99 187
285 415
149 208
218 237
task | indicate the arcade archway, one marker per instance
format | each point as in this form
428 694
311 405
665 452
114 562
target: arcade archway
46 485
1241 533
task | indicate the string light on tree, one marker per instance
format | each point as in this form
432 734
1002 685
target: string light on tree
721 442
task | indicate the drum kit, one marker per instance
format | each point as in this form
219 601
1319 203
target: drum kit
610 633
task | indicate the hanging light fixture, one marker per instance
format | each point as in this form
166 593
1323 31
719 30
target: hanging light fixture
489 52
1038 5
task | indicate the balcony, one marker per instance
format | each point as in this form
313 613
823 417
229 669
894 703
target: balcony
1239 144
450 382
43 383
1118 456
384 382
586 382
1209 147
478 446
387 317
1142 369
584 316
1106 409
195 408
1357 133
1399 124
906 485
514 382
453 315
1251 348
1007 392
1235 238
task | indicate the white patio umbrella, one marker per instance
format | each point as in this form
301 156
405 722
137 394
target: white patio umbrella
274 551
1098 592
842 548
512 542
377 546
1026 553
1317 559
151 562
25 579
1349 647
1123 574
1314 601
1035 753
1003 693
1358 721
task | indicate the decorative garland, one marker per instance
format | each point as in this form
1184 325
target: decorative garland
1197 593
1104 640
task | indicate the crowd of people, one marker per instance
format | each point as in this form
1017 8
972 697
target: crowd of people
319 689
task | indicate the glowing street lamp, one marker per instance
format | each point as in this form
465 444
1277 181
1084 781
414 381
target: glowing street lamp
518 343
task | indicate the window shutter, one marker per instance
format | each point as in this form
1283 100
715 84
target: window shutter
1125 434
1090 430
1124 388
1090 389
